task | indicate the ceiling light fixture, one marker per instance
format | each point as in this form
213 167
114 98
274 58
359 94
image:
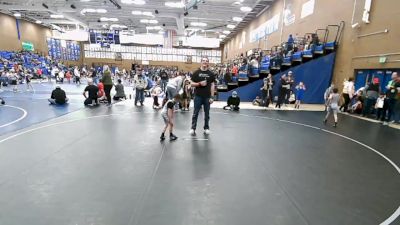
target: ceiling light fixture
17 14
56 16
226 32
105 19
147 14
222 36
154 28
117 26
245 9
230 26
175 4
153 21
139 2
198 24
38 22
237 19
161 32
144 21
136 2
135 12
101 10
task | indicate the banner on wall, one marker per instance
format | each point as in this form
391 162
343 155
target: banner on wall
265 29
28 46
288 13
307 8
63 50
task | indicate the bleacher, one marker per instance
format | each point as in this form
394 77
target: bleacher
276 60
28 60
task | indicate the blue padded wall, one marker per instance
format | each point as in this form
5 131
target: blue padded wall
316 75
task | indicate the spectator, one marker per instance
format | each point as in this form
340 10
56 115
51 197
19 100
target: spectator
333 102
101 96
155 93
119 88
2 101
253 66
301 88
61 76
92 91
164 80
283 88
381 107
58 96
94 76
357 106
347 93
290 43
372 92
233 102
139 84
29 86
328 91
108 84
289 91
257 101
77 75
68 76
266 90
187 95
392 96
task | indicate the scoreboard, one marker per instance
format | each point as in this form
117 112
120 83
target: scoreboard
104 38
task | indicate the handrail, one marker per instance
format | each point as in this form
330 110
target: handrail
376 55
373 33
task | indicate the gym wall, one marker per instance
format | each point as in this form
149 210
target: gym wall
30 32
383 16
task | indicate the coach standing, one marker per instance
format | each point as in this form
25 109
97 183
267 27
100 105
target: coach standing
203 80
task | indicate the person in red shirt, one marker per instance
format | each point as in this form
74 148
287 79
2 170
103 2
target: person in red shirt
101 94
68 75
39 73
235 70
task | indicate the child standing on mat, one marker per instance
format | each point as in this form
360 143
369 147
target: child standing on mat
333 106
300 89
168 114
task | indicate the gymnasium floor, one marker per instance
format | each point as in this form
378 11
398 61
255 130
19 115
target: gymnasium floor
106 166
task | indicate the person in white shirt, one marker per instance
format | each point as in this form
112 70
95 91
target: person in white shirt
380 107
155 93
54 72
348 92
77 75
61 76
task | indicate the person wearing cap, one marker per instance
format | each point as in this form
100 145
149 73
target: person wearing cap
58 97
92 91
233 102
372 93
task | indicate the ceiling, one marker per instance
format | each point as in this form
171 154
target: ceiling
217 14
